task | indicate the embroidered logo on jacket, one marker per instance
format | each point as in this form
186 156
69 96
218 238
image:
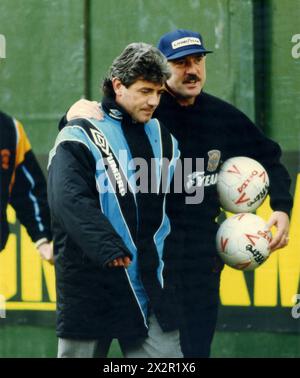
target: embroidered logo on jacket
199 179
213 160
101 141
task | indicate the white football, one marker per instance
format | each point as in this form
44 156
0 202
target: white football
243 241
242 185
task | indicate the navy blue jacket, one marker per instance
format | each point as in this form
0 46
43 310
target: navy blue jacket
95 221
215 130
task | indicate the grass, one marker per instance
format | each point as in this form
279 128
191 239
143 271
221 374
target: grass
28 341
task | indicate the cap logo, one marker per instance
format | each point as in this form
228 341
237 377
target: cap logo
187 41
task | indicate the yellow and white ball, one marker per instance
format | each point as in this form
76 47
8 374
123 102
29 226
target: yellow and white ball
243 241
242 185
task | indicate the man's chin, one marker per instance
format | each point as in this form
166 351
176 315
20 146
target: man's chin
189 93
143 119
186 93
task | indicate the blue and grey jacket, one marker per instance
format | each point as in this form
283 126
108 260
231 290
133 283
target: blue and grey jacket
100 211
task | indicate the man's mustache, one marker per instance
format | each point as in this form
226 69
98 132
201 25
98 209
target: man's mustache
191 77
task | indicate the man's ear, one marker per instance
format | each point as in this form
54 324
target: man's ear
117 86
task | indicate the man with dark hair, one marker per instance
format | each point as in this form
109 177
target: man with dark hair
214 130
23 186
113 278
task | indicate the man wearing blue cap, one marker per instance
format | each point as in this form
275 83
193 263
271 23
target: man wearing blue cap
209 128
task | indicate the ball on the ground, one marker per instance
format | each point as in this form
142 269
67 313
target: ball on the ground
242 185
243 241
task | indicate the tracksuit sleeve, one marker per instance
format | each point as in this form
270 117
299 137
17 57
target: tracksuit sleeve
29 191
74 204
268 153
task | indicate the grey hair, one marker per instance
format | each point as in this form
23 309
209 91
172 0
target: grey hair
138 61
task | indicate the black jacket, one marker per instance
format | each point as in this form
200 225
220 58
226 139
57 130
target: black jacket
216 131
93 300
22 183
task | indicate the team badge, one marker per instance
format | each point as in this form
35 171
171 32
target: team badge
214 157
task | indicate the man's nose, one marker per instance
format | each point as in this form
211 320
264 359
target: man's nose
153 100
191 68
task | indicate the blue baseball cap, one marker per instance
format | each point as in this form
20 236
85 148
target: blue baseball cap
179 43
